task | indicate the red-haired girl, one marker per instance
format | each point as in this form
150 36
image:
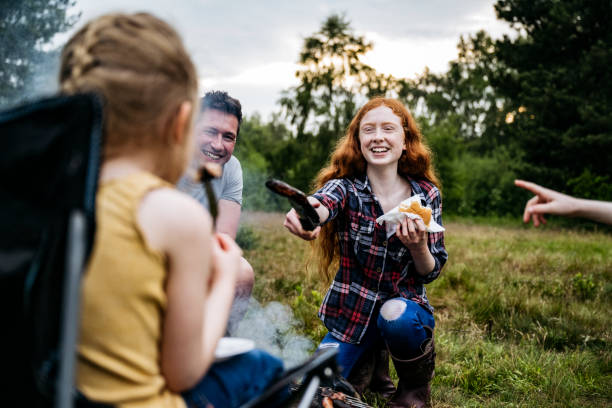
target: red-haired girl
377 299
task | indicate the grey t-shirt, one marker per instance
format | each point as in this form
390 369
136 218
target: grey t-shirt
228 187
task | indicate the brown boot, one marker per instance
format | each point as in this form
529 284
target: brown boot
413 389
361 374
381 381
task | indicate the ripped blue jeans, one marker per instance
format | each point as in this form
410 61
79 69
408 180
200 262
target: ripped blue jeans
399 323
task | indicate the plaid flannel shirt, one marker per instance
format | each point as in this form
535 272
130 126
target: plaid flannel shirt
373 267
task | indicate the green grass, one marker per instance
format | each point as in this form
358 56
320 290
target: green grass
523 315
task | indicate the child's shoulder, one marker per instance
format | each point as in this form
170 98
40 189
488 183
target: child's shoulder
167 211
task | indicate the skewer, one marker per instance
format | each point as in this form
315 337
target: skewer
205 175
325 392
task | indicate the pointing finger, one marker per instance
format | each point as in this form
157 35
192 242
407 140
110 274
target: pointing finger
533 187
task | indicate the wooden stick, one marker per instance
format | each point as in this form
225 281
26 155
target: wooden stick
206 174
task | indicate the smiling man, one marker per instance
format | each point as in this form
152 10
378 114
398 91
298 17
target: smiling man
216 131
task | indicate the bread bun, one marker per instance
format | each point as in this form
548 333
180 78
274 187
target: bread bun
416 208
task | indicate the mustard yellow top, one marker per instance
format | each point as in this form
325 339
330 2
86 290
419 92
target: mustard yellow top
123 304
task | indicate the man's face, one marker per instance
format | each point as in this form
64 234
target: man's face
216 133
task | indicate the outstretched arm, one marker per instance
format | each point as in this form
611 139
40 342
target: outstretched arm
547 201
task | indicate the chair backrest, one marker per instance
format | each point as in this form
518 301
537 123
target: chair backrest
49 158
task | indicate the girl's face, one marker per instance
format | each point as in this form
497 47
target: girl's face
381 137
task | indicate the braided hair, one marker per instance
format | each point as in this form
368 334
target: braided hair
138 64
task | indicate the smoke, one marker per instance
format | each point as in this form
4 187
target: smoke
273 328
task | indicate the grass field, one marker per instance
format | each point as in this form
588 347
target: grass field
523 315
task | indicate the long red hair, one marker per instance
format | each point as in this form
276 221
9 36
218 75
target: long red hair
348 161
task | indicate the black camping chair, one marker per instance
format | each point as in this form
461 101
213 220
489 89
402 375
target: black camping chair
48 181
303 380
309 383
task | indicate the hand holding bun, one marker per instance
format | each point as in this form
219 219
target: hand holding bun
411 208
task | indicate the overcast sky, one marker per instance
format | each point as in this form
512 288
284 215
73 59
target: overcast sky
250 48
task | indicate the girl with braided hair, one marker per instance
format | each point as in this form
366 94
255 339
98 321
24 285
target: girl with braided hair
377 304
159 284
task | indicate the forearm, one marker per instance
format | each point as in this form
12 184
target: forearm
424 261
321 210
216 313
600 211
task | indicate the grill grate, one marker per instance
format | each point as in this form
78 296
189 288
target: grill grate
326 397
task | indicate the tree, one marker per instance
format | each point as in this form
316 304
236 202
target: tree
458 110
27 26
539 101
260 146
463 94
332 79
558 87
329 75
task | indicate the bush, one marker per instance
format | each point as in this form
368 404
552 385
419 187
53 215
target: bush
445 146
591 186
256 196
246 238
484 185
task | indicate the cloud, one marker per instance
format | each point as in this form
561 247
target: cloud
280 73
251 47
408 57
